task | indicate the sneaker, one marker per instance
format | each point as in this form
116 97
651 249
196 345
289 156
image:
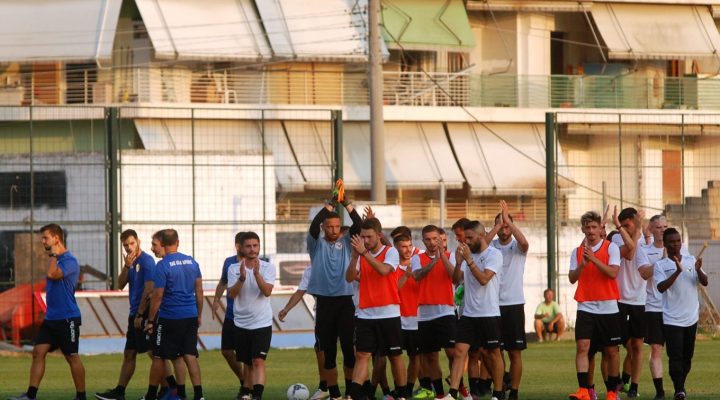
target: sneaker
611 396
446 397
111 394
625 387
680 396
320 395
170 394
593 394
632 394
464 395
24 396
581 394
423 393
388 397
246 397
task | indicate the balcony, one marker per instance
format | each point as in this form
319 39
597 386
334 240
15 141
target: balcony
338 87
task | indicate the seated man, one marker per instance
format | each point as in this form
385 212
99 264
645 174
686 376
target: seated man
548 318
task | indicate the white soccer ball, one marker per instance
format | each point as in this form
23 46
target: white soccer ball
298 391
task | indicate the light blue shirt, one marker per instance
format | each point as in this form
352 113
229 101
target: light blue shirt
329 261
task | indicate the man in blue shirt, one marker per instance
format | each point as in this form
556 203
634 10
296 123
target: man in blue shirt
137 271
335 312
61 327
175 315
227 341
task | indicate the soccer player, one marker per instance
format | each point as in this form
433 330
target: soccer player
677 278
61 327
378 326
514 248
594 266
227 338
250 284
137 271
335 310
408 290
436 308
480 267
635 269
174 318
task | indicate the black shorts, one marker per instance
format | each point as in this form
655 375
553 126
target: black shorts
634 324
513 327
411 342
484 332
654 333
175 338
252 343
63 334
335 319
228 335
380 337
436 334
136 339
603 330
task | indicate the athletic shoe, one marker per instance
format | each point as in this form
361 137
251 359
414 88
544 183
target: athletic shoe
24 396
388 397
446 397
423 393
593 394
625 387
464 395
320 395
246 397
170 394
680 396
632 394
111 394
611 396
581 394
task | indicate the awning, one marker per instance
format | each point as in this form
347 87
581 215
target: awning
502 158
316 29
426 25
204 30
301 154
657 31
528 6
58 30
417 155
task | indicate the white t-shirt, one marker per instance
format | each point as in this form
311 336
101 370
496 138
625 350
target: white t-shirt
392 258
431 312
305 279
483 301
680 302
632 286
653 299
408 323
602 306
513 268
252 309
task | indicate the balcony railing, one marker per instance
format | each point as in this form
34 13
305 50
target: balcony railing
177 85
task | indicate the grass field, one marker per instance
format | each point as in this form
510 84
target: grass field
549 374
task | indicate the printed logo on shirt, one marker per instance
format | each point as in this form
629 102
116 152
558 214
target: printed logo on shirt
179 262
338 245
137 267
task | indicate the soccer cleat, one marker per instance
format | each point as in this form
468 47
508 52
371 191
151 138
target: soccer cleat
388 397
581 394
446 397
423 393
680 396
625 387
593 394
24 396
611 396
464 394
632 394
170 394
111 394
320 395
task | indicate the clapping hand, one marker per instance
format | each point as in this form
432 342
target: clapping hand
357 244
678 264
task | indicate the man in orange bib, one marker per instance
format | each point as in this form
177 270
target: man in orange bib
594 266
377 327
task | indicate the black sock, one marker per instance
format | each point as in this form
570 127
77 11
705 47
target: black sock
348 382
323 386
257 391
368 388
120 389
245 391
513 394
439 388
625 377
426 383
356 391
197 391
474 385
151 392
499 394
385 390
633 386
612 383
453 393
80 396
334 391
582 378
487 384
658 382
32 392
181 391
172 383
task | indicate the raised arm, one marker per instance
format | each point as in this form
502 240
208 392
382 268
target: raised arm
351 273
702 276
314 230
664 285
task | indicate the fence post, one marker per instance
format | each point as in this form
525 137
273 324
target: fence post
337 132
550 168
113 211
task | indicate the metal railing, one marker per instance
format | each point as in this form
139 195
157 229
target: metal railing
338 86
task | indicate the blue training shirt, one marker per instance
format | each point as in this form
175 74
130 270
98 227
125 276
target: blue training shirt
224 278
60 296
329 262
176 273
142 271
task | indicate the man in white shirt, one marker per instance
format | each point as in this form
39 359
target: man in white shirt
635 269
677 278
514 247
479 266
250 284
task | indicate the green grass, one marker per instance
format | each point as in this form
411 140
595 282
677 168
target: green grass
549 373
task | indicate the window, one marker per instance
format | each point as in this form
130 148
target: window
50 189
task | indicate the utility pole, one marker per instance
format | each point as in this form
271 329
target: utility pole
378 192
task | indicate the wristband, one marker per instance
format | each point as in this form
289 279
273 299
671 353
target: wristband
241 279
52 255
